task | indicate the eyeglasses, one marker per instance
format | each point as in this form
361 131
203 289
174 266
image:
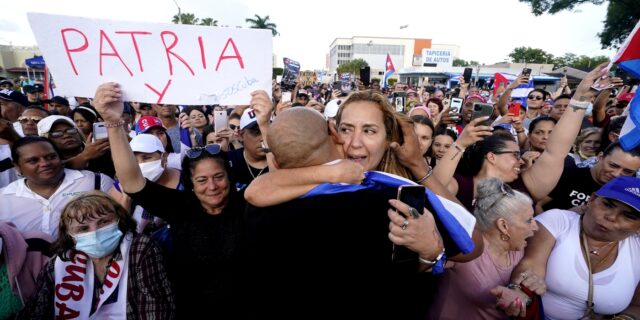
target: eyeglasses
211 149
59 134
233 126
24 120
535 97
514 153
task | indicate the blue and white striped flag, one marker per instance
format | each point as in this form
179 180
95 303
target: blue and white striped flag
458 222
630 132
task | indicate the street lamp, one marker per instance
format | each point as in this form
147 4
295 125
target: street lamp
179 13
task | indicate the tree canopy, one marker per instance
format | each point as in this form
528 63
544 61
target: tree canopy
464 63
535 55
622 16
259 22
352 66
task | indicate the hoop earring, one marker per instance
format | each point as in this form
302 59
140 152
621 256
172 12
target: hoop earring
504 237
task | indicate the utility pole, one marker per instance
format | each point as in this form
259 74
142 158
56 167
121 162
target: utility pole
179 13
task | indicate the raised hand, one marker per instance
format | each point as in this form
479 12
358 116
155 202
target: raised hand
108 101
473 133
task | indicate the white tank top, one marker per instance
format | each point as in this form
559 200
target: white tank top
567 275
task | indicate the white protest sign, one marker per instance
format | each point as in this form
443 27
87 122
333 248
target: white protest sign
440 57
155 63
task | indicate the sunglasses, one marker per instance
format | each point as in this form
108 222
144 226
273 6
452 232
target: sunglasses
211 149
233 126
59 134
514 153
535 97
24 120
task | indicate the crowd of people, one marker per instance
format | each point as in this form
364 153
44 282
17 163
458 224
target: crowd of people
290 208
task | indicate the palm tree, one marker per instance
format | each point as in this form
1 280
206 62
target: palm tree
185 18
262 23
209 22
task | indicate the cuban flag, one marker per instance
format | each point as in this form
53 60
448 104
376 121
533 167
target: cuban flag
389 70
628 57
520 92
630 132
458 222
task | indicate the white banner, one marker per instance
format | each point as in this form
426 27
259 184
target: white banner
441 57
155 63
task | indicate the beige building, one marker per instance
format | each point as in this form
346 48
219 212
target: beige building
12 64
404 52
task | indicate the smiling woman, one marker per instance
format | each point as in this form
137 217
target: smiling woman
206 218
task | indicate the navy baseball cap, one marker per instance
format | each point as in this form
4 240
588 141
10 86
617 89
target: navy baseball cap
15 96
623 189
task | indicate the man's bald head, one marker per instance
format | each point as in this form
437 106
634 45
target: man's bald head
298 137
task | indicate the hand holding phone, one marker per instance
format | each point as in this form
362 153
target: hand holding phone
220 120
514 109
482 110
99 131
466 75
413 196
456 104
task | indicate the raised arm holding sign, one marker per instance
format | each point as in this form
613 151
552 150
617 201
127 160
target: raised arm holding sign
156 63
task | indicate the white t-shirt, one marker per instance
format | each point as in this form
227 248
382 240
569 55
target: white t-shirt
7 174
30 211
567 275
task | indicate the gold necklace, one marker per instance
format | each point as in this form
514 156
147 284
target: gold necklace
249 168
595 251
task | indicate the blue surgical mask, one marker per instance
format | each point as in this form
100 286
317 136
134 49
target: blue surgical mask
99 243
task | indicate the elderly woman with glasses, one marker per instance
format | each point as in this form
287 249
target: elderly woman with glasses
207 226
505 218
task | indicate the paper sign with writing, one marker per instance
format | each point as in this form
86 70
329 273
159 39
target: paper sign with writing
155 63
308 78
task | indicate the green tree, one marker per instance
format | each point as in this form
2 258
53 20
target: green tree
185 18
566 60
277 72
460 63
262 23
587 63
530 55
352 66
209 22
622 16
464 63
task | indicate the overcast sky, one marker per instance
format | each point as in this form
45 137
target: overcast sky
486 31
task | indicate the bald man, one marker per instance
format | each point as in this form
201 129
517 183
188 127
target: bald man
335 243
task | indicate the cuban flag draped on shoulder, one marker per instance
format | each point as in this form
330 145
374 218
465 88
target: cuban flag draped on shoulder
389 70
628 58
455 218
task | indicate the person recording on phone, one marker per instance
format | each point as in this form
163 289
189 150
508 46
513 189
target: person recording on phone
76 151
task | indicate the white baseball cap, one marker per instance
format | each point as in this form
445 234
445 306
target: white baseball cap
146 143
44 125
331 109
248 119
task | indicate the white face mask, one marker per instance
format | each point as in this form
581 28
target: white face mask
152 170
